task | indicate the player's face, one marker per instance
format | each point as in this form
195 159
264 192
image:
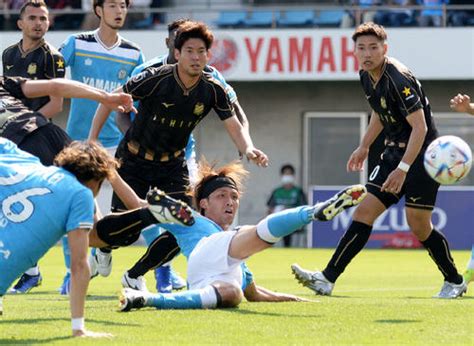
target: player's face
193 57
221 206
34 23
113 13
370 52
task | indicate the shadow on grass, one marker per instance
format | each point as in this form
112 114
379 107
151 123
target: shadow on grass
6 341
397 321
251 312
35 321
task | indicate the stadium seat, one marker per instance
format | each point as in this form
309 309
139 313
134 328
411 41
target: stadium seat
330 18
296 18
262 18
231 19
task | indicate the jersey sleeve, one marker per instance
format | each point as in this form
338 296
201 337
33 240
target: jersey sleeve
405 93
55 66
223 107
81 212
141 85
271 200
247 276
67 50
231 94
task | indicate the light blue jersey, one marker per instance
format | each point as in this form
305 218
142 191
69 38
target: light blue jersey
38 206
188 237
106 68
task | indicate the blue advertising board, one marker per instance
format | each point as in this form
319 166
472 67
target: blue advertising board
453 215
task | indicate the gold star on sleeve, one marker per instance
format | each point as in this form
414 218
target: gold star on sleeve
60 63
406 91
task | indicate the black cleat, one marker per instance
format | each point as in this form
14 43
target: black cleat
131 299
346 198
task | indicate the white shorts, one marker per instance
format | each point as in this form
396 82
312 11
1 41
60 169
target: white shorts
210 262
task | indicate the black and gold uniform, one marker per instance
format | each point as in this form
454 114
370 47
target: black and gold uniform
152 151
396 95
43 62
30 130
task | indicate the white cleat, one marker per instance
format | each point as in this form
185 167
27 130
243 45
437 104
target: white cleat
131 299
346 198
104 262
452 291
138 284
315 281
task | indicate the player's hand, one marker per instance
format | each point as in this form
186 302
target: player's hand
356 160
120 102
257 156
460 103
84 333
394 182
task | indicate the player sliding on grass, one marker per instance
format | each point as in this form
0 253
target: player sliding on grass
217 274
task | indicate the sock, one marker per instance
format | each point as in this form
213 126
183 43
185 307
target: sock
470 264
33 271
272 228
349 246
66 253
438 248
162 250
204 298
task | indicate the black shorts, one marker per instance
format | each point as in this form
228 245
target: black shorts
171 176
419 189
45 142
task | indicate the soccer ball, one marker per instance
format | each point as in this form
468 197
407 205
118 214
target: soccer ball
448 159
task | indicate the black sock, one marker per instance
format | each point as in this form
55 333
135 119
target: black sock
438 248
162 250
349 246
121 229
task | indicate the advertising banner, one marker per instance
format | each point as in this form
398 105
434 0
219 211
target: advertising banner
453 216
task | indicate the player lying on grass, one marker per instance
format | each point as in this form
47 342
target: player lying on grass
217 274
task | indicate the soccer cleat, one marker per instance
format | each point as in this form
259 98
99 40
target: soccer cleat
26 283
169 210
138 284
468 276
346 198
315 281
104 262
164 283
177 281
66 286
131 299
451 290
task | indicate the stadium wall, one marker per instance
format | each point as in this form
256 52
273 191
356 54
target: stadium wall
275 98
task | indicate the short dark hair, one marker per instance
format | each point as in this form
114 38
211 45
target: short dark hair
193 30
174 25
32 3
100 3
287 167
370 29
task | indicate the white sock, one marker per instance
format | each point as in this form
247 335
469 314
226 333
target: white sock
208 297
33 271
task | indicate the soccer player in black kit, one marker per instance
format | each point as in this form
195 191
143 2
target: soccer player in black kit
173 99
401 110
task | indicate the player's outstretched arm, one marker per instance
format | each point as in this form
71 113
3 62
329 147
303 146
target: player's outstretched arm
244 143
254 293
126 193
462 103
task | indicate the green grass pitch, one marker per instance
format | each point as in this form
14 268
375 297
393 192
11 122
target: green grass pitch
383 298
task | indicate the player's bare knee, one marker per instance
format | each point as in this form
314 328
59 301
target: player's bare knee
231 295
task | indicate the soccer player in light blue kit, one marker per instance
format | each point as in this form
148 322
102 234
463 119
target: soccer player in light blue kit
166 278
105 60
217 274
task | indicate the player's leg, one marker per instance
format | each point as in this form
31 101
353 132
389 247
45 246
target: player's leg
252 239
469 273
66 285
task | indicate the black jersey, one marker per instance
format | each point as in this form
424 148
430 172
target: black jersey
168 111
16 120
396 95
44 62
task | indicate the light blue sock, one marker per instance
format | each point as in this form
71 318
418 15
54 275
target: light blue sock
66 253
278 225
181 300
151 233
203 298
